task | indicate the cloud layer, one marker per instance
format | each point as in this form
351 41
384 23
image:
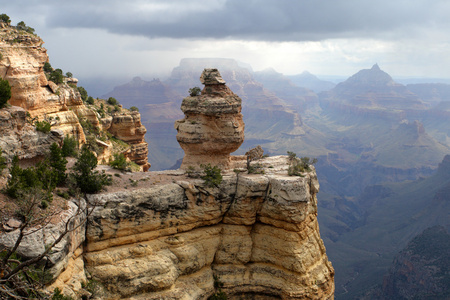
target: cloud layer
106 38
262 20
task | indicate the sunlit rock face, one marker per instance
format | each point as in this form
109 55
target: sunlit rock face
22 65
212 127
256 233
128 127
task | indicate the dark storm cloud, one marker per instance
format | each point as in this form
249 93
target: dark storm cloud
269 20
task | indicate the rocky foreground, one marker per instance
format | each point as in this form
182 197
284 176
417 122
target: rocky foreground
255 233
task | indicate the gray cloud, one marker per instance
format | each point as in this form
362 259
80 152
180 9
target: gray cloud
264 20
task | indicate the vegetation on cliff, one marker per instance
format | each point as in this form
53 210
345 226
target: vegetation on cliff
5 92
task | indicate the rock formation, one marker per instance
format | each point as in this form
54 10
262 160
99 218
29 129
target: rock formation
421 269
18 137
257 234
128 128
22 63
213 126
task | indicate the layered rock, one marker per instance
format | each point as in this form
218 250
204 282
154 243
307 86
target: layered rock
128 128
19 137
213 125
22 63
258 234
64 262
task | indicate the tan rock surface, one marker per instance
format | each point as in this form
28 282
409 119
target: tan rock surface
18 137
23 59
213 126
257 233
128 127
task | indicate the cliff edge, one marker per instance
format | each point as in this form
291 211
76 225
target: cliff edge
257 234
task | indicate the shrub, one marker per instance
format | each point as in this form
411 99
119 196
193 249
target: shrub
90 100
195 91
47 67
69 75
297 166
2 161
112 101
134 108
22 26
13 184
5 18
85 178
1 56
119 162
43 126
213 176
58 163
5 92
58 295
42 179
56 76
69 147
83 93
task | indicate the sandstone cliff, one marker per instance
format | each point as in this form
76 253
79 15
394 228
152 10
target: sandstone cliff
255 234
258 234
22 64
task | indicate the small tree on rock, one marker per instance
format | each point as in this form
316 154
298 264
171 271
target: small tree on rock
5 92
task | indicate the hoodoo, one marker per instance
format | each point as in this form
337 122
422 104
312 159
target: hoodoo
212 127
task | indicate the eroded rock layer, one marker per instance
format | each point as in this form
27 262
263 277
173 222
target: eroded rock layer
213 126
257 234
22 65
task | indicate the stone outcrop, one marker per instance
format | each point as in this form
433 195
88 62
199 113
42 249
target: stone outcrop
22 63
213 126
64 262
18 137
258 234
128 128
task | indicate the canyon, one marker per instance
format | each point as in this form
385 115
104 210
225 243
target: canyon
365 131
176 236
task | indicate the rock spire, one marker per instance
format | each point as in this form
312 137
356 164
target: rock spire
212 127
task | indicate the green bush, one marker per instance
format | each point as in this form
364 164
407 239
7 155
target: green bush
134 108
57 76
58 163
195 91
58 295
42 177
90 100
119 162
43 126
69 75
213 176
5 92
69 147
5 18
297 166
84 176
2 161
83 93
22 26
47 67
112 101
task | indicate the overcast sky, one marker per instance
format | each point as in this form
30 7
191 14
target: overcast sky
110 38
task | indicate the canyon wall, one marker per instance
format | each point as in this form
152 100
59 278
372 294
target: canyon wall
22 65
257 234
